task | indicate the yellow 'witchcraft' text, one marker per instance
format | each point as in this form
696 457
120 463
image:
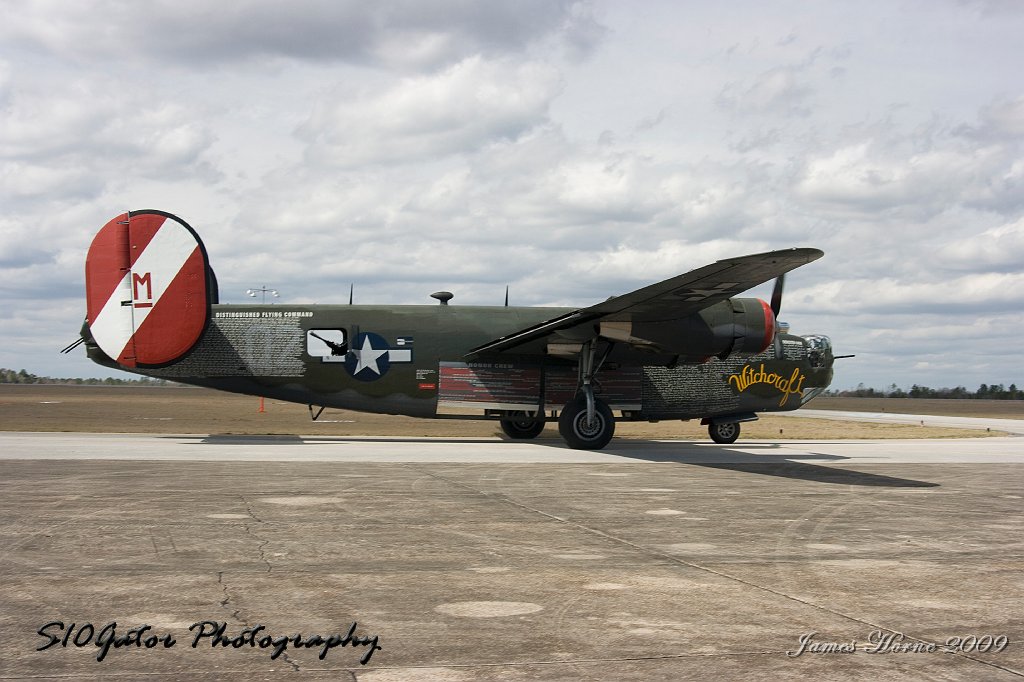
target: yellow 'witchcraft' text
750 376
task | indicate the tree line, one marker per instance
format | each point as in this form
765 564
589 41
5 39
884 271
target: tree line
10 376
984 392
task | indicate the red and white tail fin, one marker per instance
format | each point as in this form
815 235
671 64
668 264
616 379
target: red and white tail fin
149 288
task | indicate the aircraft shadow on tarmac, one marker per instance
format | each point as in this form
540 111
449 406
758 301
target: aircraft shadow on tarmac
251 439
774 461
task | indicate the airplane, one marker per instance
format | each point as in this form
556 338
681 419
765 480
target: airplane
684 348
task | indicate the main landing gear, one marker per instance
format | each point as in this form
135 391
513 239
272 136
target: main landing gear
523 425
586 423
583 431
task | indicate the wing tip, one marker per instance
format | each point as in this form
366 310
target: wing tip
806 254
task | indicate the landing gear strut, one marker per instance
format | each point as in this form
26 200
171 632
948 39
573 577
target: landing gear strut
586 423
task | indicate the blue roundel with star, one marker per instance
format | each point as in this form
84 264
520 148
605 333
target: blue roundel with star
368 359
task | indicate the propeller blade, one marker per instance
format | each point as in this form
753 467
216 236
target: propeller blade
777 295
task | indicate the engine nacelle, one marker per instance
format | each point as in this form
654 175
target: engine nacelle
735 326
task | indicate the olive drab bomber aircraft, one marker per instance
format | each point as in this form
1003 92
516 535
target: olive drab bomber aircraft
685 348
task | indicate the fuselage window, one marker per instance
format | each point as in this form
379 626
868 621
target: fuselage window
329 344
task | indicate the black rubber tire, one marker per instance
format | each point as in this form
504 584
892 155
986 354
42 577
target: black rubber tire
522 425
724 433
572 425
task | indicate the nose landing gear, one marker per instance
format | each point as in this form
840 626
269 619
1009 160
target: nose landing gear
724 432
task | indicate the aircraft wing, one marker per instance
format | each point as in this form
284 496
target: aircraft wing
673 298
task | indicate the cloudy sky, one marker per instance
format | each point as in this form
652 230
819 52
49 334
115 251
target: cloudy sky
572 150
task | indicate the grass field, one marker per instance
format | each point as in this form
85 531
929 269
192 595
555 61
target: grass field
129 409
997 409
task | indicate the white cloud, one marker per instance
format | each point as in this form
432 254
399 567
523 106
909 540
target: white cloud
470 104
571 149
917 175
391 33
782 88
999 249
73 144
981 294
1000 120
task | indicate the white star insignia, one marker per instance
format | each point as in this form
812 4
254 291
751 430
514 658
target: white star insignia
367 357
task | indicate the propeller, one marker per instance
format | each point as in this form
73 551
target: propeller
780 282
776 305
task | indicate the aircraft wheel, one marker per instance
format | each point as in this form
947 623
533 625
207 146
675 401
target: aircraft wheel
573 426
522 425
724 432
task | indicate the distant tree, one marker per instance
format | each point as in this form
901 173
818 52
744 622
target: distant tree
896 392
985 391
10 376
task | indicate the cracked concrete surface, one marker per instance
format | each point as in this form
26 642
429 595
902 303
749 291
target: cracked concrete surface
505 571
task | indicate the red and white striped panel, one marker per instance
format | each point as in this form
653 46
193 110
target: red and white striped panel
146 288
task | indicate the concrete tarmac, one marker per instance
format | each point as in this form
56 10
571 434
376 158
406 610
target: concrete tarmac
492 560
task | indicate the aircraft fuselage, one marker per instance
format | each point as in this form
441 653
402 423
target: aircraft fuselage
412 360
686 347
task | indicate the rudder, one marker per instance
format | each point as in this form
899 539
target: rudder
149 287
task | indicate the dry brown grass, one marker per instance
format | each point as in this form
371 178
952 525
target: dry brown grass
998 409
116 409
